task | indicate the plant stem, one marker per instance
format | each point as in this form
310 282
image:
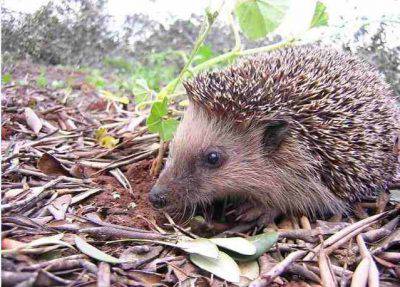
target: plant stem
210 19
222 58
234 54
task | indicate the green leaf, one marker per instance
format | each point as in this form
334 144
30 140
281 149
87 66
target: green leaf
95 253
6 79
140 90
395 195
41 81
108 142
320 17
160 108
105 140
114 97
250 269
58 84
257 18
224 266
51 240
237 244
168 127
96 79
263 242
203 54
201 246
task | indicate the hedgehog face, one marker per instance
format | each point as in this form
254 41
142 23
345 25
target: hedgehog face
210 159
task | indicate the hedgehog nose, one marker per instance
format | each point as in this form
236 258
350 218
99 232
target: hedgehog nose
157 197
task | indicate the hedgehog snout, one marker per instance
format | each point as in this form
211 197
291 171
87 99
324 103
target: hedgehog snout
158 196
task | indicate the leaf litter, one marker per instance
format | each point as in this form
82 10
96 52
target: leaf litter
63 225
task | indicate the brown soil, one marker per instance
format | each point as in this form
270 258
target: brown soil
117 205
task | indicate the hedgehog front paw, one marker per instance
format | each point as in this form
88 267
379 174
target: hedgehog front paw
250 212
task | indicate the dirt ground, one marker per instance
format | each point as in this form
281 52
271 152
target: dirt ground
120 206
67 197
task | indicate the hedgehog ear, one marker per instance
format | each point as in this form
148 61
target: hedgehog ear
274 132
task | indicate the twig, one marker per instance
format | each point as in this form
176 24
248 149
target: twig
327 276
116 232
156 166
360 226
104 275
277 270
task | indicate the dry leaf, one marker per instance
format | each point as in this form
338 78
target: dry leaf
59 207
49 165
33 121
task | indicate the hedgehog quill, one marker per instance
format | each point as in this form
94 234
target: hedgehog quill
298 131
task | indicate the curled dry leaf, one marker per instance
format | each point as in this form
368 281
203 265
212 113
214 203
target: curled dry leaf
49 165
59 206
33 121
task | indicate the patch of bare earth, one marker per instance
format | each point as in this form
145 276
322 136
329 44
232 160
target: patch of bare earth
61 186
121 206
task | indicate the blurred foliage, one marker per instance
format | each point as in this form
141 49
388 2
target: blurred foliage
69 32
385 59
78 33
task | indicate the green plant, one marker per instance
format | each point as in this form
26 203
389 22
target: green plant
156 68
41 80
96 79
58 84
6 79
119 63
256 18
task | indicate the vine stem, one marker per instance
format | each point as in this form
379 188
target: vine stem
186 71
170 88
156 166
225 57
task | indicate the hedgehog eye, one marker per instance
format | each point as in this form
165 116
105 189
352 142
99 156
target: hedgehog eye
213 159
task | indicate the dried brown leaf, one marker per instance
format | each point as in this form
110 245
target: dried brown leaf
33 121
49 165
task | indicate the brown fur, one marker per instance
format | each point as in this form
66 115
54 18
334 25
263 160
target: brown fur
339 144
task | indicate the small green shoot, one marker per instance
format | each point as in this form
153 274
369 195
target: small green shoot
320 17
159 122
257 18
41 80
105 140
6 79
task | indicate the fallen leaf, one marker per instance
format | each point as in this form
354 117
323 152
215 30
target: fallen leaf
360 275
33 121
84 195
59 206
200 246
8 243
263 242
135 259
223 266
49 165
93 252
237 244
250 269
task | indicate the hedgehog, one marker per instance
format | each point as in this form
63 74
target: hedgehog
302 130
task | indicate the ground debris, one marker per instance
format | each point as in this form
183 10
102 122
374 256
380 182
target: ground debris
58 182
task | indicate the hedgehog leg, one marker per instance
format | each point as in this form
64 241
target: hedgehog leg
251 211
268 217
